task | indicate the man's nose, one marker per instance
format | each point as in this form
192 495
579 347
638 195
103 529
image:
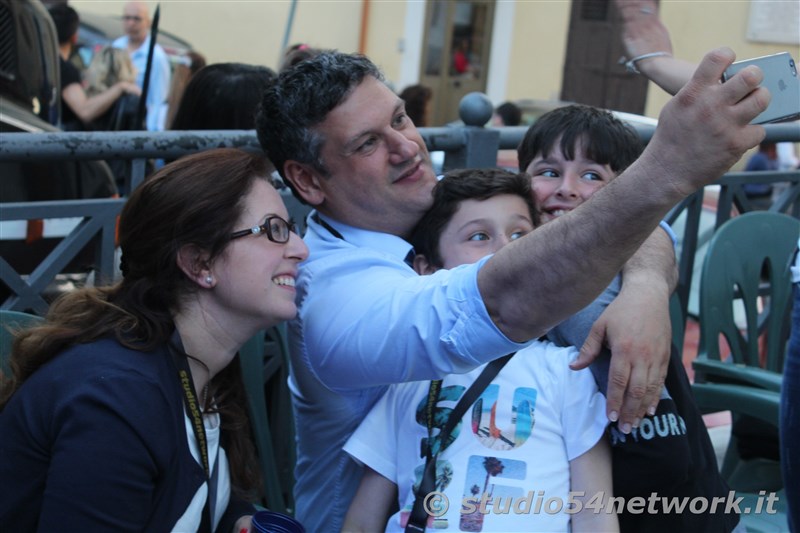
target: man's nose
402 148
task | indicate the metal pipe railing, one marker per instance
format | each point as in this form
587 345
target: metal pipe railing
470 145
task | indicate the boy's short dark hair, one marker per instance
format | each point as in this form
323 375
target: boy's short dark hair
605 139
466 184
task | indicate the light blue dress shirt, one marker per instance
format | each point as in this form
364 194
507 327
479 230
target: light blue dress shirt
158 90
366 320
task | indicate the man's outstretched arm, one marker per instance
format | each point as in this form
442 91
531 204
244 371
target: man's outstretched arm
536 282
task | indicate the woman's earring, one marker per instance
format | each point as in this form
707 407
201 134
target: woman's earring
209 280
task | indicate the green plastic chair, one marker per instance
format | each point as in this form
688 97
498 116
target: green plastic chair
10 323
747 266
264 361
749 478
746 274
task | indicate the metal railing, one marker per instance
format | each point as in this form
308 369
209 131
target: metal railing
467 146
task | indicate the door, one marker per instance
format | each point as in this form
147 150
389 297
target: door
592 73
455 56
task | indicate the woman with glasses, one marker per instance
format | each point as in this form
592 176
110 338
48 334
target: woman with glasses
125 410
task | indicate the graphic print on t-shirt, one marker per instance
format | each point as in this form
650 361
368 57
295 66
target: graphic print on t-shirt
498 432
496 425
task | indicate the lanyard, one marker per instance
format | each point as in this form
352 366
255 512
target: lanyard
190 400
192 406
418 519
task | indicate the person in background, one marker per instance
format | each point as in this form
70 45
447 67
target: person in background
126 408
765 159
136 23
80 110
418 101
341 140
475 213
507 114
295 54
222 96
183 72
461 63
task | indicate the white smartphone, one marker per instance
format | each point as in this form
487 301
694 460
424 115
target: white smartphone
780 78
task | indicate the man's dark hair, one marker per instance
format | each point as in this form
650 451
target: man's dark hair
605 139
510 113
466 184
66 21
300 98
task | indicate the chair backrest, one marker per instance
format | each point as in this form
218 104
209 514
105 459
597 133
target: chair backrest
10 323
746 276
264 361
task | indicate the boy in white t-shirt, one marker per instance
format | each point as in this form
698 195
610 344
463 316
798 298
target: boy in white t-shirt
529 453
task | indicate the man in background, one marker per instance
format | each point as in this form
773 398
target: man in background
136 22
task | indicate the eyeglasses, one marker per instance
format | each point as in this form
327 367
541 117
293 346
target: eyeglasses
134 18
275 228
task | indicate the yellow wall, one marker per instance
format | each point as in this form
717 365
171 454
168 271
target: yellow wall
538 50
252 32
247 31
385 31
698 27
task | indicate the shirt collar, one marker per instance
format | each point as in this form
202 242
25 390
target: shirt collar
359 237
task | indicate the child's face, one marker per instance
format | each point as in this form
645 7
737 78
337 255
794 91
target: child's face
559 185
481 227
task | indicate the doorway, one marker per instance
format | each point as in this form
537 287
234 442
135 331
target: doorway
455 53
592 73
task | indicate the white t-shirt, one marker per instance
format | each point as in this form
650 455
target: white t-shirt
515 442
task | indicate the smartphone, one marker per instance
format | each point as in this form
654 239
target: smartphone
780 78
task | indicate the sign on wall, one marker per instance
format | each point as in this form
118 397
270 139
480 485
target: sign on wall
774 21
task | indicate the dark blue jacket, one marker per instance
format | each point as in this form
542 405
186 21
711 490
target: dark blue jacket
95 440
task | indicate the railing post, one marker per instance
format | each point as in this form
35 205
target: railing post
480 145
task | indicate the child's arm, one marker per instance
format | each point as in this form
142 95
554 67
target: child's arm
369 510
591 474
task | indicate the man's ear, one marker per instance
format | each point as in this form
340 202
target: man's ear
193 261
305 180
422 266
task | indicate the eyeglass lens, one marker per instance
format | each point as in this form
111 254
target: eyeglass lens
278 229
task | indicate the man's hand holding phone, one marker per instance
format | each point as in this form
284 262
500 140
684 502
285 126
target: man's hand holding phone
780 79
